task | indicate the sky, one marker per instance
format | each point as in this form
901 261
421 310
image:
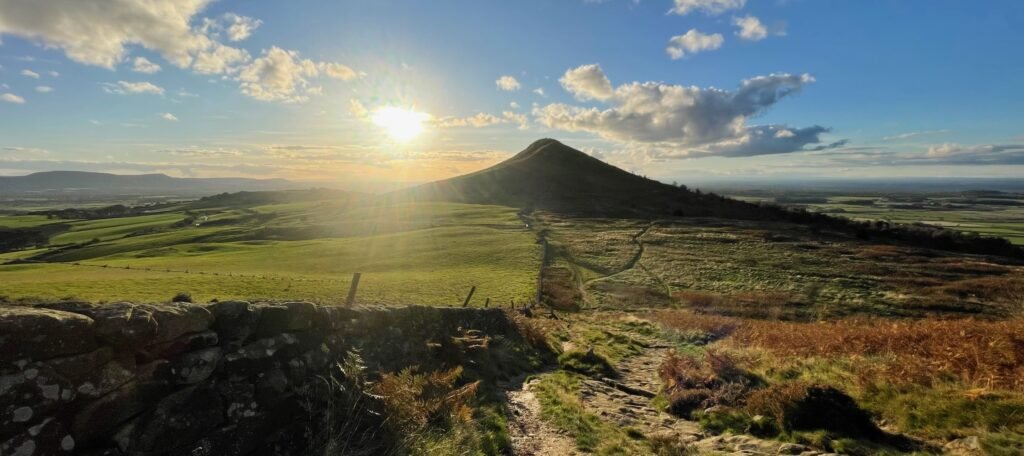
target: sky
376 94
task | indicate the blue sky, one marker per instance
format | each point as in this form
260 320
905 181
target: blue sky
675 89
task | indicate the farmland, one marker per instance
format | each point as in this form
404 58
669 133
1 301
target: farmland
986 213
415 253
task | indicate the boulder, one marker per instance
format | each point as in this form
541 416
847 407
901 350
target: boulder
39 334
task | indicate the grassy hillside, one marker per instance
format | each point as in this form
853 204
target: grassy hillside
427 253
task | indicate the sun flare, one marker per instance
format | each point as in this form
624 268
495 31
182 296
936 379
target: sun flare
400 123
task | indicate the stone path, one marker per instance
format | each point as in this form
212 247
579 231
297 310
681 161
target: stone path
533 436
530 435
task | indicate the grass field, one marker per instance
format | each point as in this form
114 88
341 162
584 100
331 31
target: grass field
426 253
774 270
1002 216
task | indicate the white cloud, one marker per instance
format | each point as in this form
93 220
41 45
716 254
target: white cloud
240 27
101 32
97 32
279 75
482 119
169 116
44 89
126 88
751 28
539 91
202 152
12 98
30 74
186 94
681 117
338 71
477 121
587 82
711 7
516 118
54 74
507 83
357 108
218 59
143 65
513 105
913 134
693 42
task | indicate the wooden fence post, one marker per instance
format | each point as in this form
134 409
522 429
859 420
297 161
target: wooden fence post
351 300
469 296
487 303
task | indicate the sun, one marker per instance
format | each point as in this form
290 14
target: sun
400 123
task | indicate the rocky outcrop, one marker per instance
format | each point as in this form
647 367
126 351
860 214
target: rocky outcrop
222 378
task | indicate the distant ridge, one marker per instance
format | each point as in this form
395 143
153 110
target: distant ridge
57 182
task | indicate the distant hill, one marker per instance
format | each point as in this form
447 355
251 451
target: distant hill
57 182
553 176
549 175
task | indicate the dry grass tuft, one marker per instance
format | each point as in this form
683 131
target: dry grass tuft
414 401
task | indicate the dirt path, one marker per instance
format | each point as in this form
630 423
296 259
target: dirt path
531 435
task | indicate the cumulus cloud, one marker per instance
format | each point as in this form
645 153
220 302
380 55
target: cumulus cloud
686 120
693 42
710 7
101 33
587 82
539 91
143 65
240 27
279 75
12 98
750 28
217 58
127 88
97 32
338 71
507 83
30 74
168 116
44 89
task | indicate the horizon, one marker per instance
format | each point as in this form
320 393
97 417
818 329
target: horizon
352 96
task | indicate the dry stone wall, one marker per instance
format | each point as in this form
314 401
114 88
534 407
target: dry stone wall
225 378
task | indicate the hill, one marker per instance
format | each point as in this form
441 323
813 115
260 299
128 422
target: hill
56 182
550 175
